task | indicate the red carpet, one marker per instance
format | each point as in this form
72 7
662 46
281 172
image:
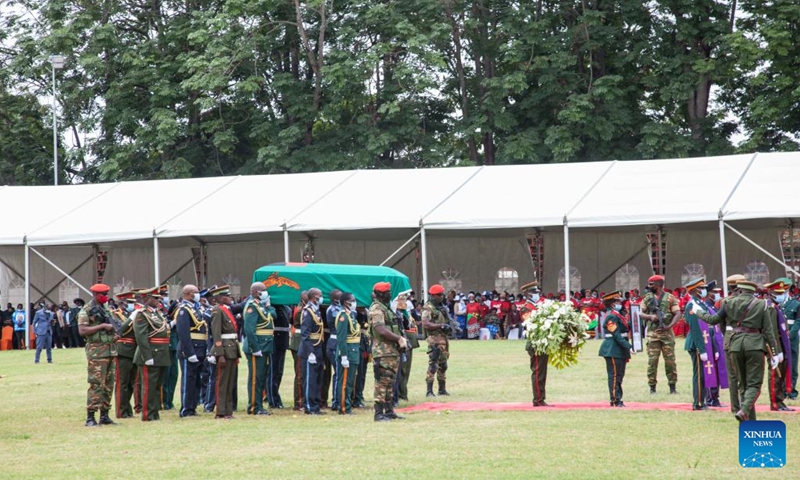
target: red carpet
487 406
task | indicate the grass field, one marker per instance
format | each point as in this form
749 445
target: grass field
42 434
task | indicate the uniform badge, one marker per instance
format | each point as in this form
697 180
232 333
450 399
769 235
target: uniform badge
219 344
611 326
250 310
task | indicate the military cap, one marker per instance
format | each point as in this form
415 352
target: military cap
164 290
712 286
99 288
150 292
129 296
532 286
204 292
695 284
745 285
611 296
220 291
777 286
436 289
382 287
787 282
734 279
655 278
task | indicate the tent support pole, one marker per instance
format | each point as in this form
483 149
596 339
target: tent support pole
285 244
723 255
791 245
567 295
423 242
737 232
401 247
27 294
156 261
62 272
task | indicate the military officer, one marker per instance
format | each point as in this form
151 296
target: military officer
347 355
791 309
779 378
294 347
283 319
538 360
695 343
615 347
95 327
259 333
410 326
733 384
436 322
365 350
152 332
660 312
127 373
386 348
192 345
225 353
209 371
330 347
752 336
310 352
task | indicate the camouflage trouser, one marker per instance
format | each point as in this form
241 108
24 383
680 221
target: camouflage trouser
437 361
385 369
101 383
658 343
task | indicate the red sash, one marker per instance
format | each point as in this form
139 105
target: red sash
227 310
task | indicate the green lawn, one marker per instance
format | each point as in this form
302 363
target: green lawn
42 433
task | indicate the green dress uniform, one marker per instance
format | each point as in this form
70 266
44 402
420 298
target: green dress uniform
791 310
259 336
294 346
348 340
100 354
660 340
152 343
746 317
127 374
223 333
695 345
617 352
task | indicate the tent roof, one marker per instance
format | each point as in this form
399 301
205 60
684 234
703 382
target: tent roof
598 194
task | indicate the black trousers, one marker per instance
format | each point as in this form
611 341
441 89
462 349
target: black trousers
615 368
361 380
327 375
191 385
312 380
274 377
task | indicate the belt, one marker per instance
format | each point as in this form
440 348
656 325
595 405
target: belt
160 341
609 335
228 336
282 329
790 322
199 336
129 341
326 330
264 331
746 330
333 337
353 340
313 336
728 328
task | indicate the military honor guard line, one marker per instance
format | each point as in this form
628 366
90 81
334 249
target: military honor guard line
134 352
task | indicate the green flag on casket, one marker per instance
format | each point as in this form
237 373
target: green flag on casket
285 281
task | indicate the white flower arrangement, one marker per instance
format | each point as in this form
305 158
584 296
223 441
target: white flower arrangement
557 330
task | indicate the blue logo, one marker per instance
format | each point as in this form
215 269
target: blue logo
762 444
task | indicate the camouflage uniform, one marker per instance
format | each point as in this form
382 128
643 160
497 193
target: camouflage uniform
385 353
438 346
661 341
100 354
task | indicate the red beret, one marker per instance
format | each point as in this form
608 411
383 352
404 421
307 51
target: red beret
382 287
655 278
99 288
436 289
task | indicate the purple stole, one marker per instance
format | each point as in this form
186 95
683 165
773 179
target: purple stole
715 372
787 351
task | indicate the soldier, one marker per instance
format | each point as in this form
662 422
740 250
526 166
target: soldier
365 350
95 327
752 336
719 373
294 346
410 327
127 373
660 311
192 345
780 378
283 318
152 332
330 347
310 352
386 348
207 303
615 347
791 310
225 352
170 382
538 360
347 356
259 325
695 343
436 322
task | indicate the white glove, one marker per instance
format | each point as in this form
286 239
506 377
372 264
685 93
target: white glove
172 324
716 355
704 356
345 362
193 359
774 362
258 354
212 359
633 352
312 359
780 357
149 363
696 309
402 343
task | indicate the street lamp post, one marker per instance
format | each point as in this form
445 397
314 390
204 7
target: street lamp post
58 63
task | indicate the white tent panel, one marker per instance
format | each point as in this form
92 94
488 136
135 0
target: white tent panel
517 196
250 204
383 199
660 191
769 190
130 210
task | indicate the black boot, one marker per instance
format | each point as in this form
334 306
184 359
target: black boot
389 412
379 416
442 390
90 421
672 390
652 389
104 419
430 389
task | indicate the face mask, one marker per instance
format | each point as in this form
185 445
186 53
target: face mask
129 307
102 299
617 307
780 297
703 293
196 297
594 295
534 297
352 305
471 300
716 297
